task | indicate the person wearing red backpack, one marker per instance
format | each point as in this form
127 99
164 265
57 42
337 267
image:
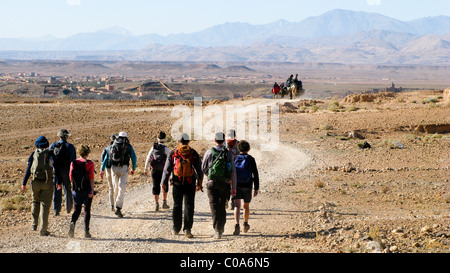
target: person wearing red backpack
184 164
247 176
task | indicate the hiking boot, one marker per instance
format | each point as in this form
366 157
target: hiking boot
45 233
56 213
112 209
119 213
237 230
165 206
218 235
188 234
246 227
87 234
33 228
71 230
157 207
175 232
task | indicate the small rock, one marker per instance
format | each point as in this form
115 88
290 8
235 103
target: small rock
426 229
393 248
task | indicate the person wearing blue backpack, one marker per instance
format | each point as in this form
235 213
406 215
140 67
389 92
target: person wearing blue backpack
247 177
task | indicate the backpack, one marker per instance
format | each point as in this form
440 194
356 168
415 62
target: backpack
158 157
80 177
218 170
183 158
41 165
243 171
60 154
232 146
119 152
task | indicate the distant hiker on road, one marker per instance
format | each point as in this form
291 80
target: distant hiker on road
246 176
275 90
40 169
157 157
82 177
184 164
113 188
64 155
218 166
120 154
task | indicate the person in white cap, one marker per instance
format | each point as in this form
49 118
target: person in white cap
120 154
156 158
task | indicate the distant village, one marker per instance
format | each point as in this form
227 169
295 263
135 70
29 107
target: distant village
113 86
154 87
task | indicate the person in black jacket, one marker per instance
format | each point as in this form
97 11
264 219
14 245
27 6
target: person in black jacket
247 176
65 154
185 180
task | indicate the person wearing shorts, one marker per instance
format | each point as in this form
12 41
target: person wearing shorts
156 159
245 188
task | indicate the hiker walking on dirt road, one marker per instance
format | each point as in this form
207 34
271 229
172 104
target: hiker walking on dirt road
246 176
157 157
121 153
65 154
113 188
82 177
40 169
184 164
218 166
232 145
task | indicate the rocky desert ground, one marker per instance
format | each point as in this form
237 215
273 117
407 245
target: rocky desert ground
321 191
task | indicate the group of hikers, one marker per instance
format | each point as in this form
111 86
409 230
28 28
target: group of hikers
231 173
283 87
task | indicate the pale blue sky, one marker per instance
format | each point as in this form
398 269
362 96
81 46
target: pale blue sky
62 18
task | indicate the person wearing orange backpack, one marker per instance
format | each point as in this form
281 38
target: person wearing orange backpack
184 164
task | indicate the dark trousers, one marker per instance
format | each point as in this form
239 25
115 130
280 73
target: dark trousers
66 186
82 199
184 193
156 178
217 194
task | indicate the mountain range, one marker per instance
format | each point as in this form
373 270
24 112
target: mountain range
335 36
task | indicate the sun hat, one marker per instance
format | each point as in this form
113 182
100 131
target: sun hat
41 142
63 133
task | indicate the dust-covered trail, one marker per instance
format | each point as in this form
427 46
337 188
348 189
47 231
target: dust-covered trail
144 230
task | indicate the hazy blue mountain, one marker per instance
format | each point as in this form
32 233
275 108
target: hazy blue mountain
349 36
